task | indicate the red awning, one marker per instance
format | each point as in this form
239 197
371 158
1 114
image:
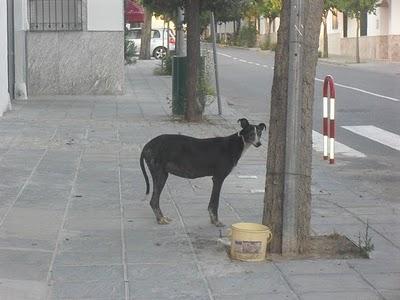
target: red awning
134 13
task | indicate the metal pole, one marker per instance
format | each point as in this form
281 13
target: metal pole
215 63
290 241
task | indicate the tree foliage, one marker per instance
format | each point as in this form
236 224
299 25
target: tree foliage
163 7
329 6
225 10
271 9
354 8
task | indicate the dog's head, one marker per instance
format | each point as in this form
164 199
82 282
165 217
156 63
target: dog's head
251 134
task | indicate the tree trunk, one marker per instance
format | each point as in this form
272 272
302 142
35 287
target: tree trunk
358 41
239 25
180 35
225 34
270 20
276 200
194 110
146 35
325 54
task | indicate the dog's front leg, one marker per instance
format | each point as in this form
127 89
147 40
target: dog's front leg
214 200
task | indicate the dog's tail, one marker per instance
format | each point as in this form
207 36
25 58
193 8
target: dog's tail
146 178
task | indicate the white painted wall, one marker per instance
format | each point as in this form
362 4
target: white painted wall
386 21
21 26
4 96
374 24
394 26
105 15
225 27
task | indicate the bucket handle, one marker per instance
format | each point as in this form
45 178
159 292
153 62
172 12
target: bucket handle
269 238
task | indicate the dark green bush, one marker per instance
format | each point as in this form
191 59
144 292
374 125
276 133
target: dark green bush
248 36
267 45
130 50
168 64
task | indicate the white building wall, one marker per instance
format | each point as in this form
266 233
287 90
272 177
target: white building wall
225 27
86 62
4 96
394 25
21 25
105 15
374 24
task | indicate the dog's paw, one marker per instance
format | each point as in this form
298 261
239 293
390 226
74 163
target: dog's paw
219 224
164 221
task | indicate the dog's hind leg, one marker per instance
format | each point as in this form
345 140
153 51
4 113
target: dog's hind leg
159 179
214 200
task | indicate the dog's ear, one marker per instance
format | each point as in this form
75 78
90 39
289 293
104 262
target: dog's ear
243 122
262 126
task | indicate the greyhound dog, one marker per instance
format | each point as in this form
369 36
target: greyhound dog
189 157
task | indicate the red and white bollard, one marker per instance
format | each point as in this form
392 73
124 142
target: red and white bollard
328 126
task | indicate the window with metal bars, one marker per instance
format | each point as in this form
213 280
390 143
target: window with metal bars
55 15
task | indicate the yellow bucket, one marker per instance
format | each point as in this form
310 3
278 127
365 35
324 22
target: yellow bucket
249 241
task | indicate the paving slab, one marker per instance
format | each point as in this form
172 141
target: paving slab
75 222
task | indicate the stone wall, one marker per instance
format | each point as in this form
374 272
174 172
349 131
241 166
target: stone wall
394 47
88 62
75 63
373 47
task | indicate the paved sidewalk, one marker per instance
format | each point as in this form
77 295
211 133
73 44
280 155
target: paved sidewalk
75 223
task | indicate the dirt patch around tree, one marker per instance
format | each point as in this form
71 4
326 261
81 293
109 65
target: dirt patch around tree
334 246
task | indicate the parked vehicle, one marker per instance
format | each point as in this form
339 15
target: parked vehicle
159 40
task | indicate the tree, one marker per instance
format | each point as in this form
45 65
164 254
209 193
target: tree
146 35
329 6
354 9
194 109
271 9
279 158
234 10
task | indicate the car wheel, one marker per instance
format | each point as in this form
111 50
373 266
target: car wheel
160 52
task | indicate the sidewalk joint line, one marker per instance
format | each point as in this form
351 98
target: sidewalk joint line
196 259
284 277
121 205
27 181
26 249
233 210
366 281
363 222
62 225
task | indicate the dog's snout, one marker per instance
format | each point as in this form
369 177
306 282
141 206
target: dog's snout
258 144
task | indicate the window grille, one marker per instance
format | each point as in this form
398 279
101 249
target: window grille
55 15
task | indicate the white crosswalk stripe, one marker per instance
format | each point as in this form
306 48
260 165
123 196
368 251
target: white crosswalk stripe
377 134
339 147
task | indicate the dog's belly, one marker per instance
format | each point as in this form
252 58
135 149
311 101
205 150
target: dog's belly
188 171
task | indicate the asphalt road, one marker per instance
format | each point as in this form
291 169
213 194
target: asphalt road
367 107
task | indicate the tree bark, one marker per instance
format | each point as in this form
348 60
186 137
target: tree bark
270 20
326 53
358 41
194 110
275 199
146 35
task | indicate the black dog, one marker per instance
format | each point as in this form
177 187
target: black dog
189 157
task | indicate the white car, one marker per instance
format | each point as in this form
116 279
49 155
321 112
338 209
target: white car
158 45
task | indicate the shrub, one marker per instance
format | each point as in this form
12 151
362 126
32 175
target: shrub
267 45
165 67
130 50
248 36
